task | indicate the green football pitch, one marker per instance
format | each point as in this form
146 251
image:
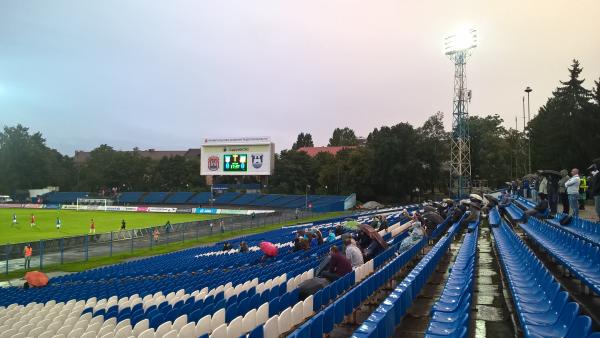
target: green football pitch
78 222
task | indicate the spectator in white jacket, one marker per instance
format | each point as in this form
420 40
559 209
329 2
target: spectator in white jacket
572 186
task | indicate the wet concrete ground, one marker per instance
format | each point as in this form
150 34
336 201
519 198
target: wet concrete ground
491 317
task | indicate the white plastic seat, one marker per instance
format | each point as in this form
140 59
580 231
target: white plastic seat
64 330
307 307
271 328
203 326
188 331
297 314
106 329
249 321
124 332
219 332
141 326
163 329
170 334
285 321
86 335
123 323
19 335
149 333
234 329
262 314
37 331
26 328
217 319
179 322
76 333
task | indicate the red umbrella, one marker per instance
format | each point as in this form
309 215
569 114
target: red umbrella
36 278
268 248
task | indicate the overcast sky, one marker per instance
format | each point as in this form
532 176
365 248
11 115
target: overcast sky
165 74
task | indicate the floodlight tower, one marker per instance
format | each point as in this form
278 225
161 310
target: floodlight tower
458 48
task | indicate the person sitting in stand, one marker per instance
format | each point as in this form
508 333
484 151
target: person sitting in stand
506 200
243 247
415 234
331 236
540 208
339 265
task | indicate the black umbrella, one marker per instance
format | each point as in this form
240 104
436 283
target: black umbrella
549 173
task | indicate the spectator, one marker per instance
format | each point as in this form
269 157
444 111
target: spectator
415 234
168 226
226 246
562 191
529 189
93 227
314 242
222 226
384 223
339 230
583 187
156 234
123 225
506 200
353 253
319 236
543 189
553 194
375 223
540 208
572 186
331 236
595 189
339 265
244 247
28 251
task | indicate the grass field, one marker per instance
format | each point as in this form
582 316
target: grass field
78 222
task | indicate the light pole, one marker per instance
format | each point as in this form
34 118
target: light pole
306 195
529 90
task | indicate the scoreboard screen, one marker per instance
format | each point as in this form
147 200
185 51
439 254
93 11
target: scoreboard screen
235 162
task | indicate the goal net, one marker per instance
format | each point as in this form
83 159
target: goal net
92 204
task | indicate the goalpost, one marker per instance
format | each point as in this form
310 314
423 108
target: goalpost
92 204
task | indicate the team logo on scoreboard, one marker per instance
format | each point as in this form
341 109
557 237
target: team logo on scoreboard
213 163
257 160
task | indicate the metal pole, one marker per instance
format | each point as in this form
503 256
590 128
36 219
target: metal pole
529 120
131 241
62 250
111 243
85 248
6 251
41 254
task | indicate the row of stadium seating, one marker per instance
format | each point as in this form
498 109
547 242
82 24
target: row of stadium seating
231 198
129 300
542 306
57 197
450 314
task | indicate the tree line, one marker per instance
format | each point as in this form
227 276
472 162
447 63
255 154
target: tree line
393 163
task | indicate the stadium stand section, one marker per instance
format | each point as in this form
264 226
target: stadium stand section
577 255
155 197
130 197
543 308
190 293
227 198
383 321
200 198
179 197
63 197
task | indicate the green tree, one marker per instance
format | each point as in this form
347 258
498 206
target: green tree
343 137
26 162
303 140
293 172
565 133
432 150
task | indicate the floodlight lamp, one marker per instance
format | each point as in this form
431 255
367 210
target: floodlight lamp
460 41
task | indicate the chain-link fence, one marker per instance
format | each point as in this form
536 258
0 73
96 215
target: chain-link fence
84 247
